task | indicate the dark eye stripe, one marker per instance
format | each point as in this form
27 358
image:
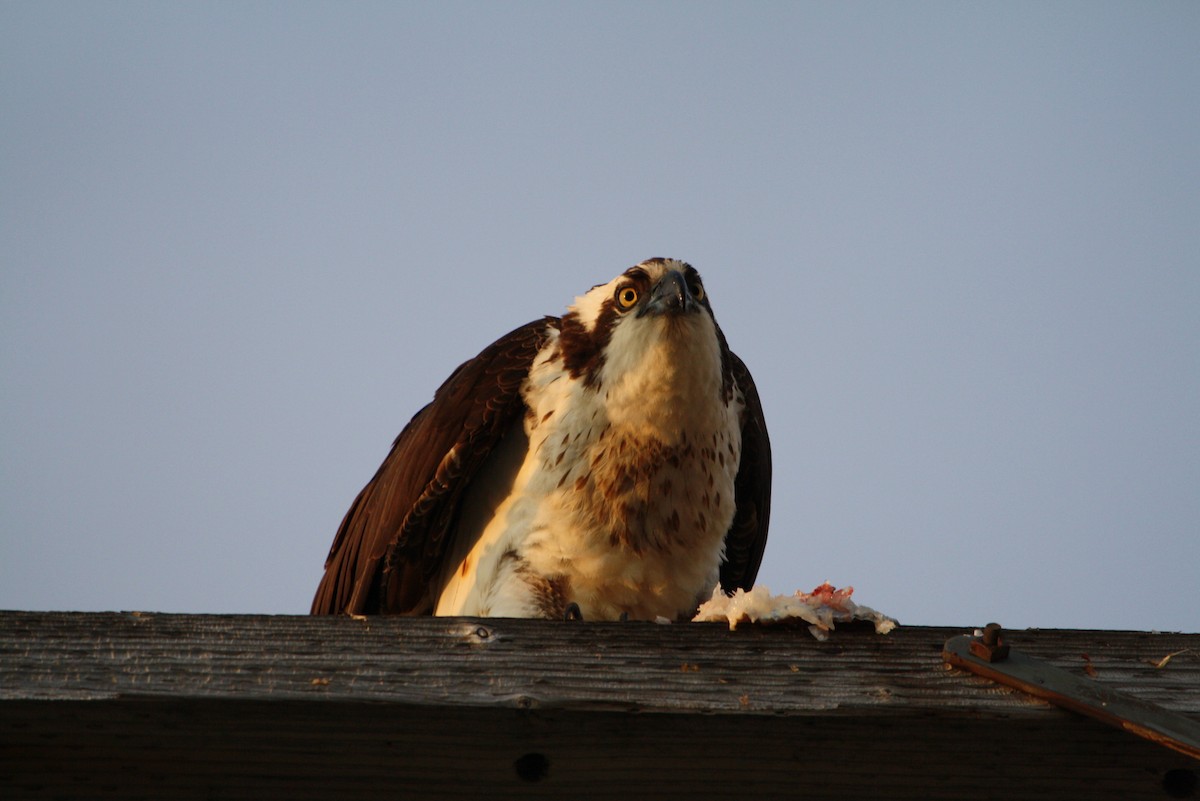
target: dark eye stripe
583 350
695 285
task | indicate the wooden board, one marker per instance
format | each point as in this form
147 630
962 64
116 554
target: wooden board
120 705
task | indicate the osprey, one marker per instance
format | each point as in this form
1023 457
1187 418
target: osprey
612 463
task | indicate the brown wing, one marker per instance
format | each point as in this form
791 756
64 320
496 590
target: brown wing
390 543
752 490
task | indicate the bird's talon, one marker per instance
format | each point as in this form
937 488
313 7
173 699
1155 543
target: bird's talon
573 613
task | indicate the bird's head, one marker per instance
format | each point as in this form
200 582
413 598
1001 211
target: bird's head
652 323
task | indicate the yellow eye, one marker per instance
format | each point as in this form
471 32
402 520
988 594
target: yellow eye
697 291
627 296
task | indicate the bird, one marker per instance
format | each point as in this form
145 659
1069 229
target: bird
609 464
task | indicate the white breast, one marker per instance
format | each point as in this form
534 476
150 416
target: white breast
619 495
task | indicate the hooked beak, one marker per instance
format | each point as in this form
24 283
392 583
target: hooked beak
669 296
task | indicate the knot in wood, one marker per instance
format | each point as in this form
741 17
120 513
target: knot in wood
476 633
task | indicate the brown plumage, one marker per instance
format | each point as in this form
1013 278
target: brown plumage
393 550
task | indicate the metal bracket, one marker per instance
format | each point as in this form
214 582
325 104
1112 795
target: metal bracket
989 656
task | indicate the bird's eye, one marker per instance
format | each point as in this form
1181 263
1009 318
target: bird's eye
627 296
697 290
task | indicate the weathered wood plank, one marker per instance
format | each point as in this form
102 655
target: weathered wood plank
126 705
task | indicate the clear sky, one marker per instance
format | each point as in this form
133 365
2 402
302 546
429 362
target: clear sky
958 244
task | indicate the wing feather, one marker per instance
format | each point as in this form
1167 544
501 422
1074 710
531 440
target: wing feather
392 540
747 535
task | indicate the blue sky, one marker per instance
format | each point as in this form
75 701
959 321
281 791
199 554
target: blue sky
956 243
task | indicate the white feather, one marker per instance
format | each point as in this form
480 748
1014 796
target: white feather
557 517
